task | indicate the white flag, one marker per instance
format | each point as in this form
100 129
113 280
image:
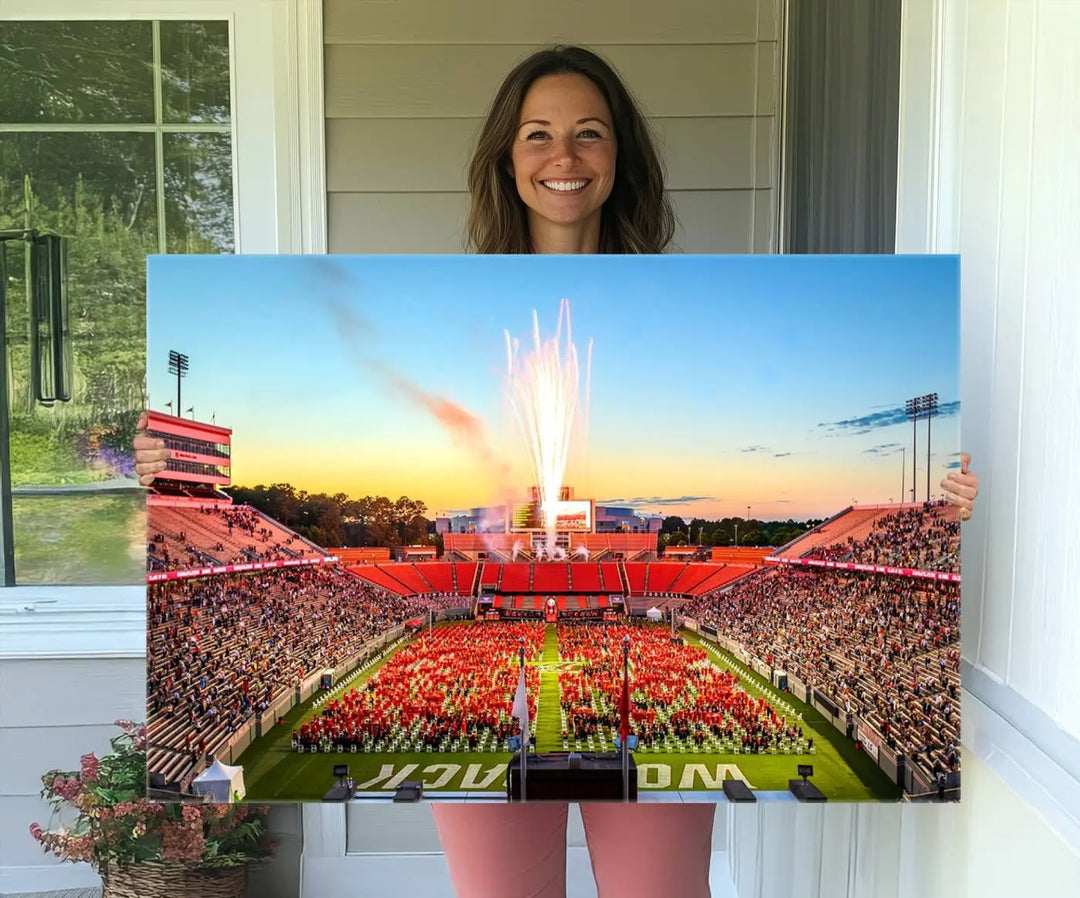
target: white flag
521 710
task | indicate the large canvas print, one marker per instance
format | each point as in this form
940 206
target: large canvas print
673 523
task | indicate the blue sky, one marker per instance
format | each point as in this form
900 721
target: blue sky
717 381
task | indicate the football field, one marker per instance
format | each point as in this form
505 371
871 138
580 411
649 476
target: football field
274 771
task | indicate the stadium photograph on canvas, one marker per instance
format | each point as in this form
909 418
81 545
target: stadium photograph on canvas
672 524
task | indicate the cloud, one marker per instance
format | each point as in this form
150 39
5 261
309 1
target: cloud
754 449
657 500
882 449
463 427
781 454
887 418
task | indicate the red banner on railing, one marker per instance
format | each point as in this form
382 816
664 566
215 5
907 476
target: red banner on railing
238 568
867 568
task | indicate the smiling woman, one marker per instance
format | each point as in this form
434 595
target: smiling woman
565 163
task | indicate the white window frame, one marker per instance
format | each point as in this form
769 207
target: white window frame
279 160
279 166
279 197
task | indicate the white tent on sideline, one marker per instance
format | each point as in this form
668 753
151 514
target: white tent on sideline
654 613
221 782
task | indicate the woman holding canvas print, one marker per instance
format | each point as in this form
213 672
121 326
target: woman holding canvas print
565 164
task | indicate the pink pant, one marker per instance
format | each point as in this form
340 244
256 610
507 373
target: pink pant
519 851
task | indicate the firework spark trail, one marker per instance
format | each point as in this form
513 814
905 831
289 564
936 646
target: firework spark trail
543 391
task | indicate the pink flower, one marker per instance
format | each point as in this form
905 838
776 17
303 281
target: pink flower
36 832
66 788
148 808
181 843
89 768
191 813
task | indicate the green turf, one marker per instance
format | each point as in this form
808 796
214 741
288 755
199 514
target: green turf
548 719
274 772
835 756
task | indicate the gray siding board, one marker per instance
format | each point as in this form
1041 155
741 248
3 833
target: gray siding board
66 693
408 83
431 155
520 21
709 221
448 81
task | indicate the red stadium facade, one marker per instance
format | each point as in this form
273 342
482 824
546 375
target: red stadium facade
200 463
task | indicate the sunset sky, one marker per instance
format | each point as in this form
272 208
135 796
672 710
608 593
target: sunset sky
717 381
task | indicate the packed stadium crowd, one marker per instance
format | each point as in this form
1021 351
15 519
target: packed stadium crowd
449 689
926 538
224 648
219 535
883 648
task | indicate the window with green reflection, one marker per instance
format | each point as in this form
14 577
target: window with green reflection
118 135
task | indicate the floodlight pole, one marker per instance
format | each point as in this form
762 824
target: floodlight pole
903 472
178 365
911 407
931 405
524 740
624 725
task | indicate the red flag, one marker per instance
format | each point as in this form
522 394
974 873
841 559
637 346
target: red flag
624 708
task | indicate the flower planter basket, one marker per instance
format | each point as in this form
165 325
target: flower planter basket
162 879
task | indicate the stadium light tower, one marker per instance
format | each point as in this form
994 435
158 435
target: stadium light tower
911 408
930 407
917 407
178 365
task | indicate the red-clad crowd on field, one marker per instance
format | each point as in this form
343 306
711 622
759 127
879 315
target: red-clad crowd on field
450 688
676 692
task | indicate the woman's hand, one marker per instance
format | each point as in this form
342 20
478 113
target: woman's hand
150 454
962 487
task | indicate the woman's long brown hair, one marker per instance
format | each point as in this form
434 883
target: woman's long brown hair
637 216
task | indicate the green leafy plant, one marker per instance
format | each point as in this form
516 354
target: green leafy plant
116 824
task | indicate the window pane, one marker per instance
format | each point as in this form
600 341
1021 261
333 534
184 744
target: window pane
195 71
198 193
82 539
97 189
76 72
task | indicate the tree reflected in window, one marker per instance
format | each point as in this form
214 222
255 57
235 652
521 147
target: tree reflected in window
118 136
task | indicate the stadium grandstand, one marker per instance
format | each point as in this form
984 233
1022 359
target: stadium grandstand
257 636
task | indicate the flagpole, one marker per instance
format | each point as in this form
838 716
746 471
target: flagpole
625 722
524 735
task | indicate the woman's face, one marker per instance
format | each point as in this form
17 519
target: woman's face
563 154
